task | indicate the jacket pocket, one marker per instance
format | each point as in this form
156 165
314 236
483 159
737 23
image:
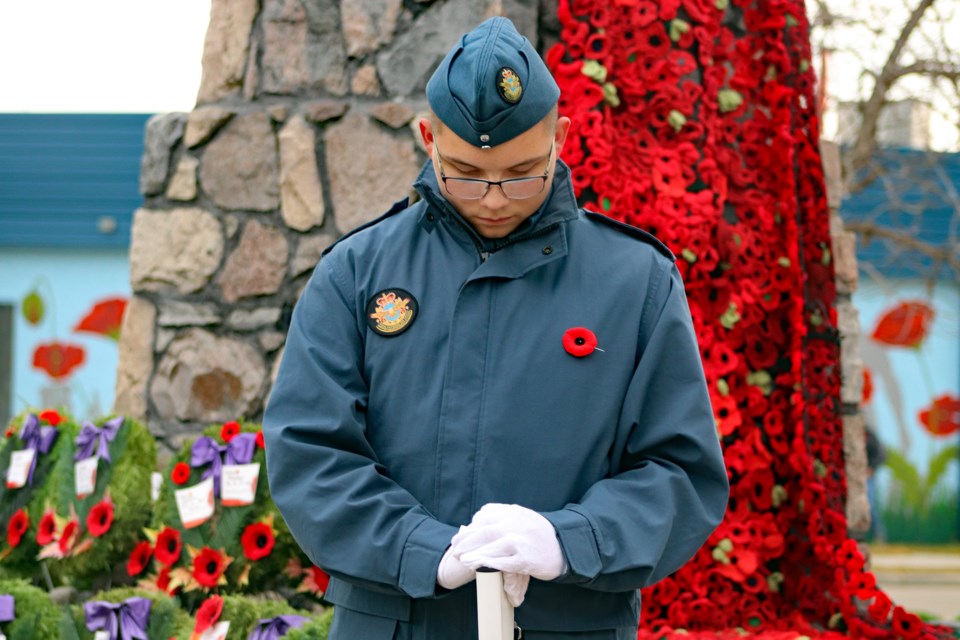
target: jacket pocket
353 625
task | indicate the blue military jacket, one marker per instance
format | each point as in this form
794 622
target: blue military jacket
380 447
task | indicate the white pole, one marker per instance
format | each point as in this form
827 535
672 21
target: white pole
494 611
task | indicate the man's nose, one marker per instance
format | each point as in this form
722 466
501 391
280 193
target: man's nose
494 198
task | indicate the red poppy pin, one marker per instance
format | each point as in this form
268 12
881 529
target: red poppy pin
579 342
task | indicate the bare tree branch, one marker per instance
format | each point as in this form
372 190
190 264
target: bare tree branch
945 254
866 136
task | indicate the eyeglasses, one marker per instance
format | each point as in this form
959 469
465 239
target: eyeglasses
476 188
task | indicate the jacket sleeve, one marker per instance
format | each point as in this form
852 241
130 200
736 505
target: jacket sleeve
670 491
349 517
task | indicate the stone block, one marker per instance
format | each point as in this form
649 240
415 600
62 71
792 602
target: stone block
258 264
225 48
203 122
301 196
250 319
832 172
162 134
365 81
135 358
855 463
368 24
369 169
393 114
240 167
846 272
205 378
183 184
307 255
174 251
178 313
321 111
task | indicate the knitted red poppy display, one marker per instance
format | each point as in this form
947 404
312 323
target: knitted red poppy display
695 120
579 342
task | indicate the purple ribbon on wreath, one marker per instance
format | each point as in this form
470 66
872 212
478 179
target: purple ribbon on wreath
6 608
206 451
38 438
125 620
91 436
273 628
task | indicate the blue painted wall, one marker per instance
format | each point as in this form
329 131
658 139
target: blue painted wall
70 281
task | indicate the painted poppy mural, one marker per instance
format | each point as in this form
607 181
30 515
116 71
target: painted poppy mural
103 319
67 365
910 399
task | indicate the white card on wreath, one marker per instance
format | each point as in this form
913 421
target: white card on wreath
101 635
216 632
195 504
238 484
85 476
156 482
20 462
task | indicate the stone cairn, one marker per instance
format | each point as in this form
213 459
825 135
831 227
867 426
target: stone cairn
305 128
851 366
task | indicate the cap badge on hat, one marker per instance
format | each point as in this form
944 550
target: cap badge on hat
509 85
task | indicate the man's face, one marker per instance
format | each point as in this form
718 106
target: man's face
526 156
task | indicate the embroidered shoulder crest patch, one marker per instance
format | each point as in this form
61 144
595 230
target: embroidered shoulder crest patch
392 311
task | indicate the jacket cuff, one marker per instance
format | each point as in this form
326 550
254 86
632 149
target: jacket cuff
579 544
421 557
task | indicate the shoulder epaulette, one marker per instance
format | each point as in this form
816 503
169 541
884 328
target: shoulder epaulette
397 207
630 230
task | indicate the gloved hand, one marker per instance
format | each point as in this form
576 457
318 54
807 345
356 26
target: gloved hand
515 586
512 539
452 573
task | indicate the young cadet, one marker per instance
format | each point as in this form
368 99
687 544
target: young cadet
493 377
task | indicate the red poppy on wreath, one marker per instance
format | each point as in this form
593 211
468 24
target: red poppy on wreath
139 558
100 517
259 440
168 546
163 581
18 525
579 342
51 417
318 579
257 540
180 473
208 614
229 431
47 528
68 535
10 432
208 567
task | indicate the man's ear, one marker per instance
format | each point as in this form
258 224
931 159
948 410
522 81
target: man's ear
560 134
426 134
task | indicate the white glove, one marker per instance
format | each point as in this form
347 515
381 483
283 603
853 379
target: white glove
512 539
515 586
452 573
